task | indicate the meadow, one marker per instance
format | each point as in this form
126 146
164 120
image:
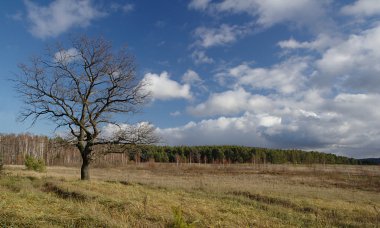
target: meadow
192 195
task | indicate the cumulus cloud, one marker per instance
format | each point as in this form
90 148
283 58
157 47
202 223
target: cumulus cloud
293 112
223 130
231 102
163 88
60 16
346 121
311 117
228 102
225 34
358 106
269 130
323 96
362 8
353 63
286 77
347 63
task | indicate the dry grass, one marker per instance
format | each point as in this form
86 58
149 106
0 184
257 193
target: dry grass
165 195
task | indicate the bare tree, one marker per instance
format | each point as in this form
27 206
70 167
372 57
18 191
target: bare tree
82 89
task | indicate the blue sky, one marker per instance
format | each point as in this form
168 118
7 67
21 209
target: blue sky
285 74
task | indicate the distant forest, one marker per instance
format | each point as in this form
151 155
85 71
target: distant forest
56 151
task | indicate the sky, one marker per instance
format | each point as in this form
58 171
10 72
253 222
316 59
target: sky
301 74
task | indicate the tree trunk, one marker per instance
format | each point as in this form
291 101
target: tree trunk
85 169
86 160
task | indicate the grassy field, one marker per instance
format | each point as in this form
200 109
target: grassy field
166 195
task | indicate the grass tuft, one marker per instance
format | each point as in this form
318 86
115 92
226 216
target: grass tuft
178 219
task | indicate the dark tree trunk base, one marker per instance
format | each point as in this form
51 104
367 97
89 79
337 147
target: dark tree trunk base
85 171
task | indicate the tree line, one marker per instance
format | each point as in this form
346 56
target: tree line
56 151
234 154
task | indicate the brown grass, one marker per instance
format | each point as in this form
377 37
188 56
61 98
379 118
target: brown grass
202 195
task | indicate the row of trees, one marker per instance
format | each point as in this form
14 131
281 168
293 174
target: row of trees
56 151
234 154
14 148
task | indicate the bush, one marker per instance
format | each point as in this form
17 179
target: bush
35 164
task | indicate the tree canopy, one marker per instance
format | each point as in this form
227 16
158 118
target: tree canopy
81 89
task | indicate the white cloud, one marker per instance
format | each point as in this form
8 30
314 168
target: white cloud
269 130
270 12
323 97
199 4
322 42
273 11
201 57
293 44
60 16
163 88
309 121
191 77
358 106
231 102
362 8
330 119
220 131
269 121
225 34
66 56
353 63
286 77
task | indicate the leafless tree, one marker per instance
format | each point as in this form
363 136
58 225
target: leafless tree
82 89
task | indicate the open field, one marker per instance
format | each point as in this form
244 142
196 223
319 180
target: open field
166 195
